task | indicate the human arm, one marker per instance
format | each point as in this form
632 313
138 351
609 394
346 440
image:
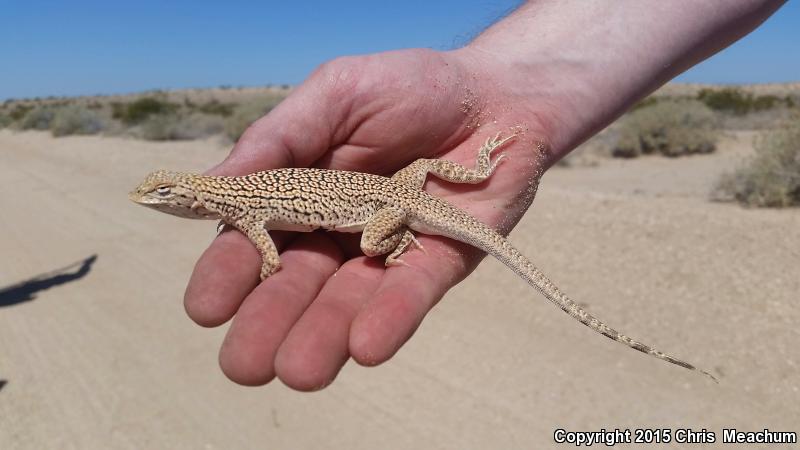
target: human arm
554 71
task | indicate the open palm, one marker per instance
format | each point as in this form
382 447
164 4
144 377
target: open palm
329 302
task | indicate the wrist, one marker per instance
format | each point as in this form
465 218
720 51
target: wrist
570 67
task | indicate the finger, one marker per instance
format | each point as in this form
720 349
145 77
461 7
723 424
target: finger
405 295
223 276
269 312
317 346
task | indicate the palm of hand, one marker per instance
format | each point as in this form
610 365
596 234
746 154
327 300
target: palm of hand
329 302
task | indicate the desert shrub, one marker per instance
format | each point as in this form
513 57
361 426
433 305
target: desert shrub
732 100
217 108
247 113
728 99
645 102
670 127
138 111
169 127
771 177
5 120
74 119
38 118
19 111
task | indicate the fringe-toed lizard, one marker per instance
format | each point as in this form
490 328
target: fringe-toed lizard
384 210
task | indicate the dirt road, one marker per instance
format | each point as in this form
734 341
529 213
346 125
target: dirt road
97 353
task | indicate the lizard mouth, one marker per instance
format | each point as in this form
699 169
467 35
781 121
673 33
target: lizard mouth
138 197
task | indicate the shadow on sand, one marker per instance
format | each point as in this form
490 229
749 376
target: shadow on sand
3 384
26 290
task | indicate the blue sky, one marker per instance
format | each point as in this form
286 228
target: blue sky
98 47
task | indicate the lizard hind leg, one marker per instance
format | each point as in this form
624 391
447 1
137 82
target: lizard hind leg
415 173
386 232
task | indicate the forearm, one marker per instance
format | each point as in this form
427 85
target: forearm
586 61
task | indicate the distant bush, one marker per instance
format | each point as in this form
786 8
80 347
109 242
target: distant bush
137 111
217 108
771 178
645 102
670 127
19 111
75 119
38 118
171 127
5 120
247 113
736 101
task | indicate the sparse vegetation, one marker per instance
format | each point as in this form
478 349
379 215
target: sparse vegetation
218 108
19 111
771 178
735 101
669 127
247 113
167 127
156 115
38 118
75 119
138 111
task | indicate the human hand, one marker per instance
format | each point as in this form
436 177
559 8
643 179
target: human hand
329 302
554 73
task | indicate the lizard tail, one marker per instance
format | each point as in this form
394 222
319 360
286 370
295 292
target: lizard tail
496 245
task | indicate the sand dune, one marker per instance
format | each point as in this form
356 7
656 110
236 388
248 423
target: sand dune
97 353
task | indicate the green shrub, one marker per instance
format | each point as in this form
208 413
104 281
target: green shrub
729 99
771 177
76 119
5 120
645 102
38 118
247 113
732 100
217 108
19 111
138 111
172 127
670 127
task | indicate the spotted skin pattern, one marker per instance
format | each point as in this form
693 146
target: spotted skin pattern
385 210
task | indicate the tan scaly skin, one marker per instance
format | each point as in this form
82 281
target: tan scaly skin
384 210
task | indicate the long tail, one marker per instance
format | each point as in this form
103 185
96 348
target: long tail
488 240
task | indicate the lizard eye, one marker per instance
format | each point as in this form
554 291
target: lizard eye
163 190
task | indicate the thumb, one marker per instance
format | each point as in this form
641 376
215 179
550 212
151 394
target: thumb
297 132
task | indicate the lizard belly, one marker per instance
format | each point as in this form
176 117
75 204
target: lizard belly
282 225
353 227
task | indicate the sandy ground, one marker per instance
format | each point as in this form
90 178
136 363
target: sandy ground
102 355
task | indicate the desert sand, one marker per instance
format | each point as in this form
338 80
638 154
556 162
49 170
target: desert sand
96 351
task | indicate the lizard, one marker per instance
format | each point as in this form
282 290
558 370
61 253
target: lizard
386 210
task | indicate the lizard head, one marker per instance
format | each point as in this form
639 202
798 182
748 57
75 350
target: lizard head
171 193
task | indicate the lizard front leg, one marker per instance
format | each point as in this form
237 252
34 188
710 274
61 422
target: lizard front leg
255 230
386 232
415 173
